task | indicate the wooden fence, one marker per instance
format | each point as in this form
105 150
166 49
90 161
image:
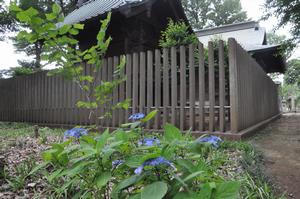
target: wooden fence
253 94
189 86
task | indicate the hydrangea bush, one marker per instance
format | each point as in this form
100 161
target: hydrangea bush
131 163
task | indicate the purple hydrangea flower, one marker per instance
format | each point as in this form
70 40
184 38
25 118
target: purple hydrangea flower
153 162
213 140
116 163
75 132
136 116
149 142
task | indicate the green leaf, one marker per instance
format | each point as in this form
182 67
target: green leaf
14 7
50 17
193 175
124 184
78 26
103 179
135 161
73 31
23 17
56 9
63 30
172 133
156 190
38 167
150 116
228 190
136 196
206 191
101 141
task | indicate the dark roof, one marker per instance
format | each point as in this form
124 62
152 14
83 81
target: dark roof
95 8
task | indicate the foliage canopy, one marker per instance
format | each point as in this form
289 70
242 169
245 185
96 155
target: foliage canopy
207 13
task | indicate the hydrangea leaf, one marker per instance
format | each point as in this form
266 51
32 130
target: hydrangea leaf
156 190
103 179
227 190
172 133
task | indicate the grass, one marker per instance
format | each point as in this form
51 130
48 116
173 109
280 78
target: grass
14 130
255 184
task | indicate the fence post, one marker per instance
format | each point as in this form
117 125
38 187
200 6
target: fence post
233 82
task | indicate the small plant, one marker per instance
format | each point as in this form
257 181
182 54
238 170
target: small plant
20 174
177 34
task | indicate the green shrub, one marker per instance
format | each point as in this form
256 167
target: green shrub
130 163
177 34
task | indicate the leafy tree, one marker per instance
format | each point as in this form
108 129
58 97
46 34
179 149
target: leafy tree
35 49
287 12
60 48
6 20
292 75
206 13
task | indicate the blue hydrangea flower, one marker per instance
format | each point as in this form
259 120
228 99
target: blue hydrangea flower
75 132
149 142
213 140
136 116
116 163
153 162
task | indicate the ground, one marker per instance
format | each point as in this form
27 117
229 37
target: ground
280 144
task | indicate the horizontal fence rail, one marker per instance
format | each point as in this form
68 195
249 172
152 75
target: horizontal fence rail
186 84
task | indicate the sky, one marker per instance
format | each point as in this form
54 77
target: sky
253 8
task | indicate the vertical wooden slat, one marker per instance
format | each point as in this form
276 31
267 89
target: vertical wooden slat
142 93
201 86
221 86
183 87
192 86
109 78
115 115
166 83
173 85
103 79
149 84
135 82
234 98
157 87
211 66
128 82
122 94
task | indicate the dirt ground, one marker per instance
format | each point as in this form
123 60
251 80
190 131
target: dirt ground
280 144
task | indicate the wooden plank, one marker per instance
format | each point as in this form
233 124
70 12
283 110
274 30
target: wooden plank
157 88
103 79
192 85
166 87
233 82
211 77
149 84
221 87
115 115
142 93
122 94
135 82
173 85
109 78
128 82
201 87
183 87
